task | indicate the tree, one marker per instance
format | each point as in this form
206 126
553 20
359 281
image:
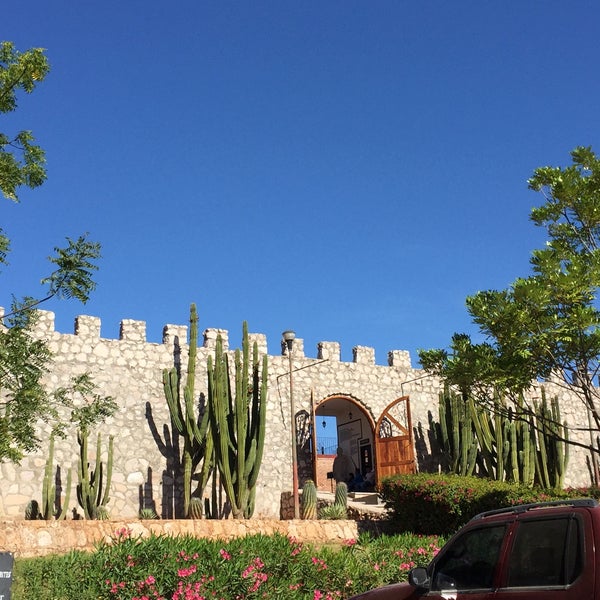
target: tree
21 161
24 359
547 324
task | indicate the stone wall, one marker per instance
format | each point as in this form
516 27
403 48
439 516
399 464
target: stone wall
145 465
39 538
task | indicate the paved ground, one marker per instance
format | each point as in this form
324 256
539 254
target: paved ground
364 502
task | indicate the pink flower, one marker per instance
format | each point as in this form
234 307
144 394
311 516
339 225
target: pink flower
187 572
224 554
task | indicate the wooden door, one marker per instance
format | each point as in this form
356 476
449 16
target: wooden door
394 449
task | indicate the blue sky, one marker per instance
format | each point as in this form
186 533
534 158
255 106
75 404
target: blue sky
350 170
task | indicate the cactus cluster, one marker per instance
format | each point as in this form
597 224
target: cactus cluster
506 443
193 429
92 495
237 417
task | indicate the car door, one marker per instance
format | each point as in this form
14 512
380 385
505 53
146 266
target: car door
547 558
468 567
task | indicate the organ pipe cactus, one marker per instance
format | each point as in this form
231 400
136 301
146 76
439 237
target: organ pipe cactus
553 453
49 505
455 434
308 500
91 494
193 429
506 443
237 418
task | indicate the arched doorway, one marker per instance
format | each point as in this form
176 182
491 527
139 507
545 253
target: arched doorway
341 420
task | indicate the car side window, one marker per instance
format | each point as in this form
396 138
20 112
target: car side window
546 552
470 561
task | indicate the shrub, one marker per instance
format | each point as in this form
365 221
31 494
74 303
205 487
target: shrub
184 567
439 504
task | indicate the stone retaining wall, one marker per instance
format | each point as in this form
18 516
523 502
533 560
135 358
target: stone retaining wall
39 538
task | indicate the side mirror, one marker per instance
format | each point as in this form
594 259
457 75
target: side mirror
418 577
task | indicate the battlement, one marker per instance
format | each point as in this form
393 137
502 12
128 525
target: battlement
87 328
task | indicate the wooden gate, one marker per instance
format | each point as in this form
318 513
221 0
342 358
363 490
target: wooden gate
394 450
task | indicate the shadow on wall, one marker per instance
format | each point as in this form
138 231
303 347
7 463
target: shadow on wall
146 499
172 477
428 453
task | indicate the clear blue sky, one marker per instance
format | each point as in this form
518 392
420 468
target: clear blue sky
350 170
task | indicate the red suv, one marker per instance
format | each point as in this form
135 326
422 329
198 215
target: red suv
542 551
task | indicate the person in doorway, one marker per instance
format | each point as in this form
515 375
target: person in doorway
369 484
343 468
357 483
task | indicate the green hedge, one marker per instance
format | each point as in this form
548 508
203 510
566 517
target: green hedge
439 504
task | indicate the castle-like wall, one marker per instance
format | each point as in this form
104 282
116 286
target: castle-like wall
130 370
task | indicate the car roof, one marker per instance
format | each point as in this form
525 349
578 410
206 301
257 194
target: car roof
518 509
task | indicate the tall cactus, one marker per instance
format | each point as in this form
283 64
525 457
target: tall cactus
237 418
506 443
552 456
49 505
91 495
194 430
456 437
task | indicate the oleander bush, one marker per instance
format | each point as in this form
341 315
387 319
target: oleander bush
188 568
429 504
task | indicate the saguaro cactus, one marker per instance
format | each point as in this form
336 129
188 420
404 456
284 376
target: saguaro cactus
90 493
194 430
237 418
309 500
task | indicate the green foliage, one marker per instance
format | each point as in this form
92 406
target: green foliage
75 266
333 512
237 417
308 500
32 510
198 447
547 323
23 359
23 363
255 566
148 514
440 504
21 161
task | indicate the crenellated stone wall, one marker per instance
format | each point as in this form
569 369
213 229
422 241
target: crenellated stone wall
130 370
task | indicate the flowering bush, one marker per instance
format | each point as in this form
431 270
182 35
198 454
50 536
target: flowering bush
440 504
186 568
